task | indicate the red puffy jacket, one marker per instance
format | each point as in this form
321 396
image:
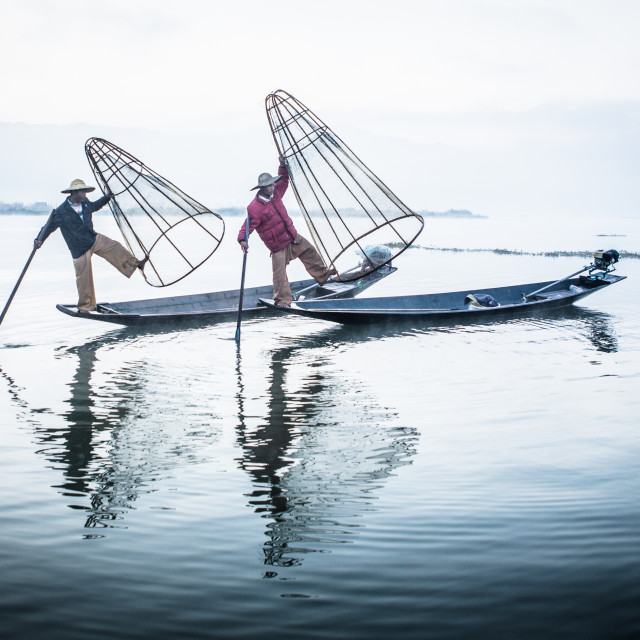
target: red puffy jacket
270 219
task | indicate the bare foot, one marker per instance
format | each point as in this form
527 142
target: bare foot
142 263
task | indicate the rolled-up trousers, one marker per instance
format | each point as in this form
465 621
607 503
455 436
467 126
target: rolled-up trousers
310 258
114 253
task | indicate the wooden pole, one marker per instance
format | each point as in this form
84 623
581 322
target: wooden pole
26 266
244 270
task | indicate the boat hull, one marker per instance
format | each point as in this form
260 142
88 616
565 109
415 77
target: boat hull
217 306
444 307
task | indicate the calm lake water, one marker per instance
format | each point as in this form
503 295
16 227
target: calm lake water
478 481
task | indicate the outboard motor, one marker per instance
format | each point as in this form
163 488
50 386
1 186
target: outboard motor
604 259
602 264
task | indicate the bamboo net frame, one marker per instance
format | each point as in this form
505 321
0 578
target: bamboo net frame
348 209
156 218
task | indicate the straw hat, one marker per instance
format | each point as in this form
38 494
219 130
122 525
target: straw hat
264 180
78 185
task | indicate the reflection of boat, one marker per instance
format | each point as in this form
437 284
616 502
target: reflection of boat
455 306
320 453
218 306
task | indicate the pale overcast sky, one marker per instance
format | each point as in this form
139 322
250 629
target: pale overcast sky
476 76
194 63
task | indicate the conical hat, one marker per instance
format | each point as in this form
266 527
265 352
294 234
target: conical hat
78 185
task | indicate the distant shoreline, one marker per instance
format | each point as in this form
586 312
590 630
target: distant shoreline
237 211
425 213
25 212
22 208
451 213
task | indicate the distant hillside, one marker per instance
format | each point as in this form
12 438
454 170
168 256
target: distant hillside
554 159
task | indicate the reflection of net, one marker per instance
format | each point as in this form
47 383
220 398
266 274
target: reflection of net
342 201
155 217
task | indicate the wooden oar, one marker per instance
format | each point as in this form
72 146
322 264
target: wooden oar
26 266
244 269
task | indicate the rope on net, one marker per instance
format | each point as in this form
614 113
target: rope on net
155 217
350 212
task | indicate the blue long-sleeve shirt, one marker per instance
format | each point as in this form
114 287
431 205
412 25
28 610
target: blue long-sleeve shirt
77 230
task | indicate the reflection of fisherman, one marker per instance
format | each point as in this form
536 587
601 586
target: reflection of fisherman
268 215
74 218
76 440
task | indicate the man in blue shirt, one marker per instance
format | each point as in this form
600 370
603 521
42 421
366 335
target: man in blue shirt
74 219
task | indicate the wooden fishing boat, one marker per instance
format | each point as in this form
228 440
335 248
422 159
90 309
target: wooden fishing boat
456 306
218 306
351 215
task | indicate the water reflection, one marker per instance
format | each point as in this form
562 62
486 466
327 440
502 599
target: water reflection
320 453
15 392
74 447
317 451
85 448
596 326
121 432
325 446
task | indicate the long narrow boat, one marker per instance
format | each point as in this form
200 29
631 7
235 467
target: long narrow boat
457 306
218 306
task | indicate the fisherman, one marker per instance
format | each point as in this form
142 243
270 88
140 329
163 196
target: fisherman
267 214
74 218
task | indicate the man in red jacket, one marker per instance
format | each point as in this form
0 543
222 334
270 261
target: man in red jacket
268 216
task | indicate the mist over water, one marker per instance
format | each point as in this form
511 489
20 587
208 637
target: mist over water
458 481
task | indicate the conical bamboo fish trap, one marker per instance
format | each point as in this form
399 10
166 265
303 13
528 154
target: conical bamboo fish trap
155 217
351 214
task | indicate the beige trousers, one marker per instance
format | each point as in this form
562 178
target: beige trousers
313 263
114 253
